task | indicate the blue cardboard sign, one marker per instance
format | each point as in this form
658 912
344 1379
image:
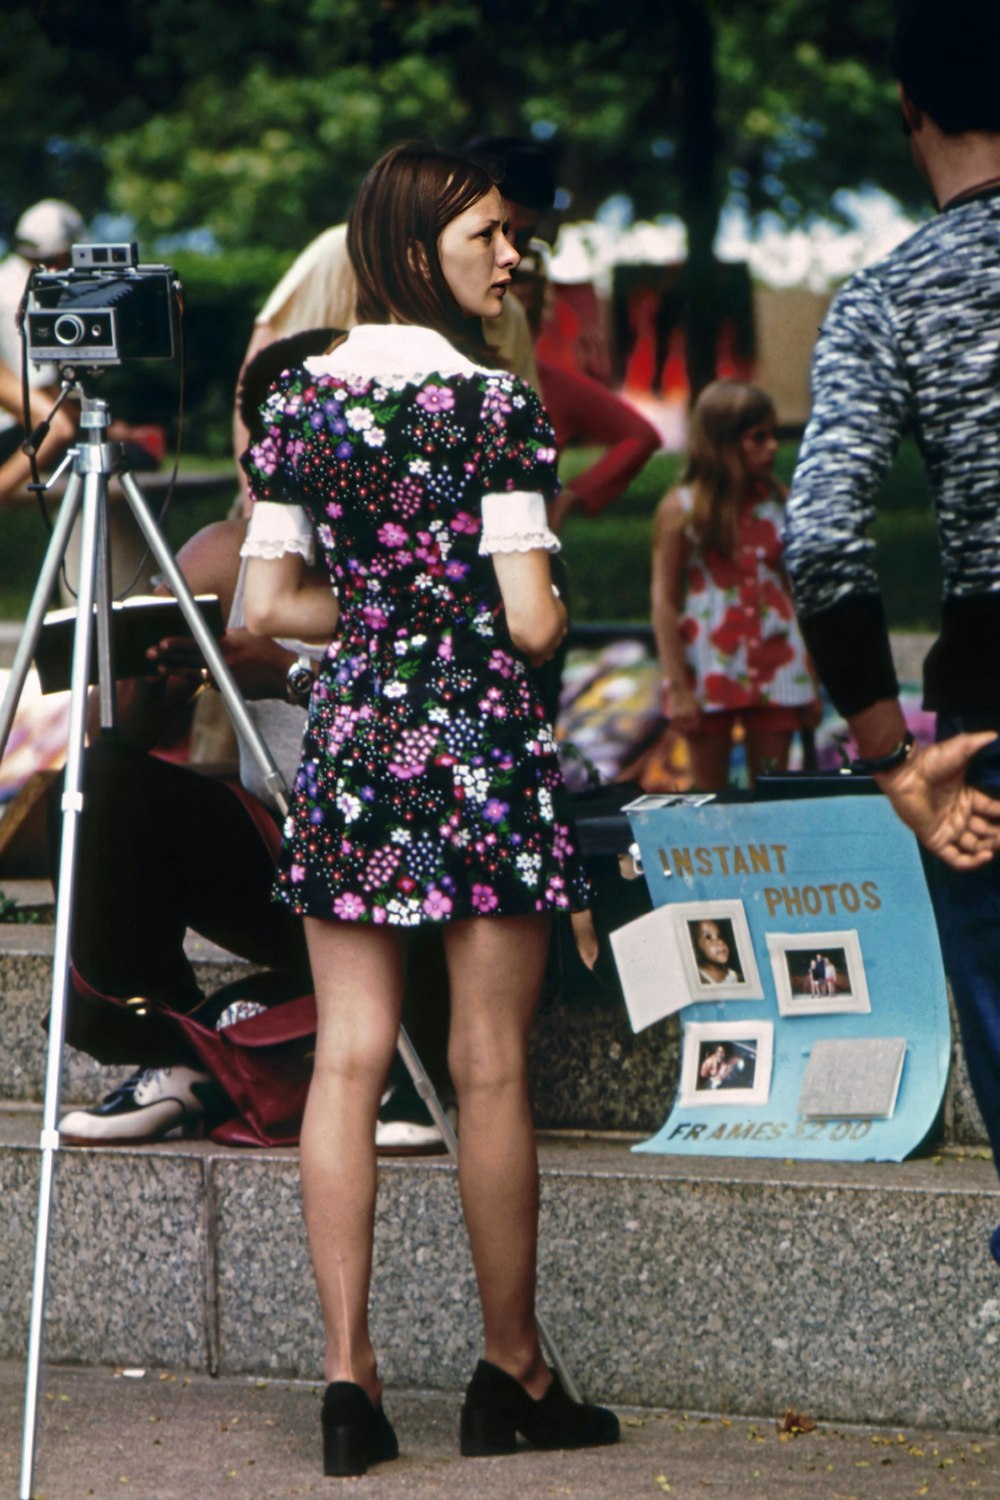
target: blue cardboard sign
797 942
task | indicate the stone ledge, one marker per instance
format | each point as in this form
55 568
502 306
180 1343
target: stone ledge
854 1292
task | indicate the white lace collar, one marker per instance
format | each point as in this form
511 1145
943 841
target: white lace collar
395 354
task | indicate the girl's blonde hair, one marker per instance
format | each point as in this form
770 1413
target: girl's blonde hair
723 412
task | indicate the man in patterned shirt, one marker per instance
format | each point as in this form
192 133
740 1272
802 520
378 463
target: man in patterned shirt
912 345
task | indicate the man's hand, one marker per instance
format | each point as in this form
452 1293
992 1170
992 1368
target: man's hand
560 508
953 820
258 665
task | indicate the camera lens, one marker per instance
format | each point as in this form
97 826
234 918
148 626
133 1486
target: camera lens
69 329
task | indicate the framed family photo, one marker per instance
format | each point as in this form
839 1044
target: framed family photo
726 1063
818 973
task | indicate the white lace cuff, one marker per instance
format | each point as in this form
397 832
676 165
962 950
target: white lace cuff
276 529
516 522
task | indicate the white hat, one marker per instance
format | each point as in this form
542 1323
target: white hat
47 229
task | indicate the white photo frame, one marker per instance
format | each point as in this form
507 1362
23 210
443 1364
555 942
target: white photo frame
800 991
735 977
653 981
726 1063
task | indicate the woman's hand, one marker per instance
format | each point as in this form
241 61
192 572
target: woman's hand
680 707
585 936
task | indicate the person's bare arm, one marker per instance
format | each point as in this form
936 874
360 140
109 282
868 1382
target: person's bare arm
148 706
10 391
286 597
677 699
536 617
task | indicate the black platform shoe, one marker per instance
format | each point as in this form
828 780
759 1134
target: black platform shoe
356 1434
497 1408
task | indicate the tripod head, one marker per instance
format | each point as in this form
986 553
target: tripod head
94 454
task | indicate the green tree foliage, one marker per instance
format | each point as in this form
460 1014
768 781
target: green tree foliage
257 122
807 105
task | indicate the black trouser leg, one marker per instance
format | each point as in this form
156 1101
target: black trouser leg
162 849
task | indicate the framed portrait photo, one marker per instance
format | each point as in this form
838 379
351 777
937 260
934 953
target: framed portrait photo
716 952
726 1063
818 973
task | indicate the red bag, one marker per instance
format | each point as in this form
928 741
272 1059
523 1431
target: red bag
265 1065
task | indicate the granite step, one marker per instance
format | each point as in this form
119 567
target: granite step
854 1292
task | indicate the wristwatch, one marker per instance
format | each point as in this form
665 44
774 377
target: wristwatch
299 681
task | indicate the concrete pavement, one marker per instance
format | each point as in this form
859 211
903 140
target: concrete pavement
161 1436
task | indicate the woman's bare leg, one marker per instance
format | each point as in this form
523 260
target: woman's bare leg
767 750
495 969
357 974
709 757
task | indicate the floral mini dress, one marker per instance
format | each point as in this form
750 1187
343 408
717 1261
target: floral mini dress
429 787
742 643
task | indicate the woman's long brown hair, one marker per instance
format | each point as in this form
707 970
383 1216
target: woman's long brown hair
723 412
406 200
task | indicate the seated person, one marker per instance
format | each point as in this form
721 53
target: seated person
164 848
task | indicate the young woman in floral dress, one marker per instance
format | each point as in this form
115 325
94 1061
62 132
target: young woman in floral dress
728 641
409 474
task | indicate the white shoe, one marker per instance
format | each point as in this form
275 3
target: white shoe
145 1107
406 1137
405 1126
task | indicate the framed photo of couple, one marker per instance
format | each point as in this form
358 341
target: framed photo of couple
818 973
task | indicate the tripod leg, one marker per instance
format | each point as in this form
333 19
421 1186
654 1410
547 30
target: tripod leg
44 588
107 687
94 497
427 1092
245 726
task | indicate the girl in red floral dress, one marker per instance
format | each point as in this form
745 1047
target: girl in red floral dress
728 641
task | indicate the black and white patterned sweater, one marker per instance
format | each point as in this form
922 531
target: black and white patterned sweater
910 345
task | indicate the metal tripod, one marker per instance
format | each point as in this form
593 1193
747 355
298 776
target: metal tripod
91 464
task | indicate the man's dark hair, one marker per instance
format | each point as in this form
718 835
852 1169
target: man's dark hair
945 56
523 172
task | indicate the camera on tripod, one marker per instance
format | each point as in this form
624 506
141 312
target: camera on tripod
104 309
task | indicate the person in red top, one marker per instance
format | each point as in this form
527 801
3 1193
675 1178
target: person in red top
583 411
